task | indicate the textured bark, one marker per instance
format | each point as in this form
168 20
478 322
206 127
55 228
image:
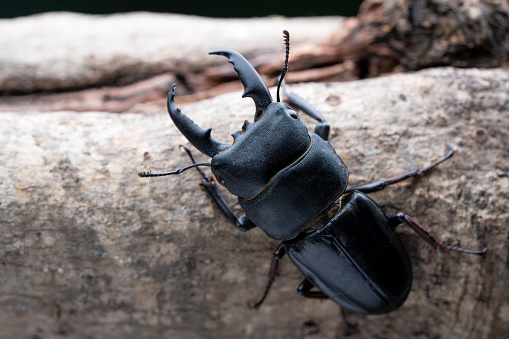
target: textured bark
89 250
98 60
69 51
390 36
113 62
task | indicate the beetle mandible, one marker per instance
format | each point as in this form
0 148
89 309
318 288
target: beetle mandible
293 185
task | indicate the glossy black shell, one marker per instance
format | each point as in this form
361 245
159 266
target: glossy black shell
300 192
260 150
284 176
357 259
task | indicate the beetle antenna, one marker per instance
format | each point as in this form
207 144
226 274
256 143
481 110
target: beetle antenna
147 174
286 35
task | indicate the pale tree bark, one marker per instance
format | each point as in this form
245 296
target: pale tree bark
112 63
71 61
89 250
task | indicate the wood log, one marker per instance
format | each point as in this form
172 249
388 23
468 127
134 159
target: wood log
114 62
389 36
102 56
89 250
55 52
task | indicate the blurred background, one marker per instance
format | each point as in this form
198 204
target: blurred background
10 9
63 60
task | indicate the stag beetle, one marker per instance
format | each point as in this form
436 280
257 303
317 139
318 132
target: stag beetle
293 185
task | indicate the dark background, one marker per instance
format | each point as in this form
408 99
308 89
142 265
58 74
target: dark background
250 8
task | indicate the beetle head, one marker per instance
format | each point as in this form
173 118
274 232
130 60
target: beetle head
260 149
254 87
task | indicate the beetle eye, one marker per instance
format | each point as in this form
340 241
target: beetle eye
293 114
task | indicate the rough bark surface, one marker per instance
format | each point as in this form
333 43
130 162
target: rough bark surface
89 250
390 36
99 62
68 61
69 51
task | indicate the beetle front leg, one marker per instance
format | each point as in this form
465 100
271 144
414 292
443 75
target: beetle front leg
209 184
379 185
322 128
400 218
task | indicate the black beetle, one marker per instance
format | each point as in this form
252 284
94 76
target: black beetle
292 185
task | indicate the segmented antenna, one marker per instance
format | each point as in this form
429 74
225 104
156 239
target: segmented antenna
147 174
286 35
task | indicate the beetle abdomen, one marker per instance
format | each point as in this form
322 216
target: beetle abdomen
299 193
356 259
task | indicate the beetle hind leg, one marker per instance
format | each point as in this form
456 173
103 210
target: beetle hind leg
210 184
349 326
400 218
305 289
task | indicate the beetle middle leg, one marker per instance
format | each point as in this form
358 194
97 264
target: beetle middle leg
381 184
273 272
209 184
400 218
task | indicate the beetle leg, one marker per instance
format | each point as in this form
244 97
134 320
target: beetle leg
209 184
304 290
400 218
379 185
348 325
322 128
274 271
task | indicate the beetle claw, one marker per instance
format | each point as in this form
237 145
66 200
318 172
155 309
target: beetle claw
254 87
199 137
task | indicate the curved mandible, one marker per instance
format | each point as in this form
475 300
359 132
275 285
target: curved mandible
197 136
254 87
